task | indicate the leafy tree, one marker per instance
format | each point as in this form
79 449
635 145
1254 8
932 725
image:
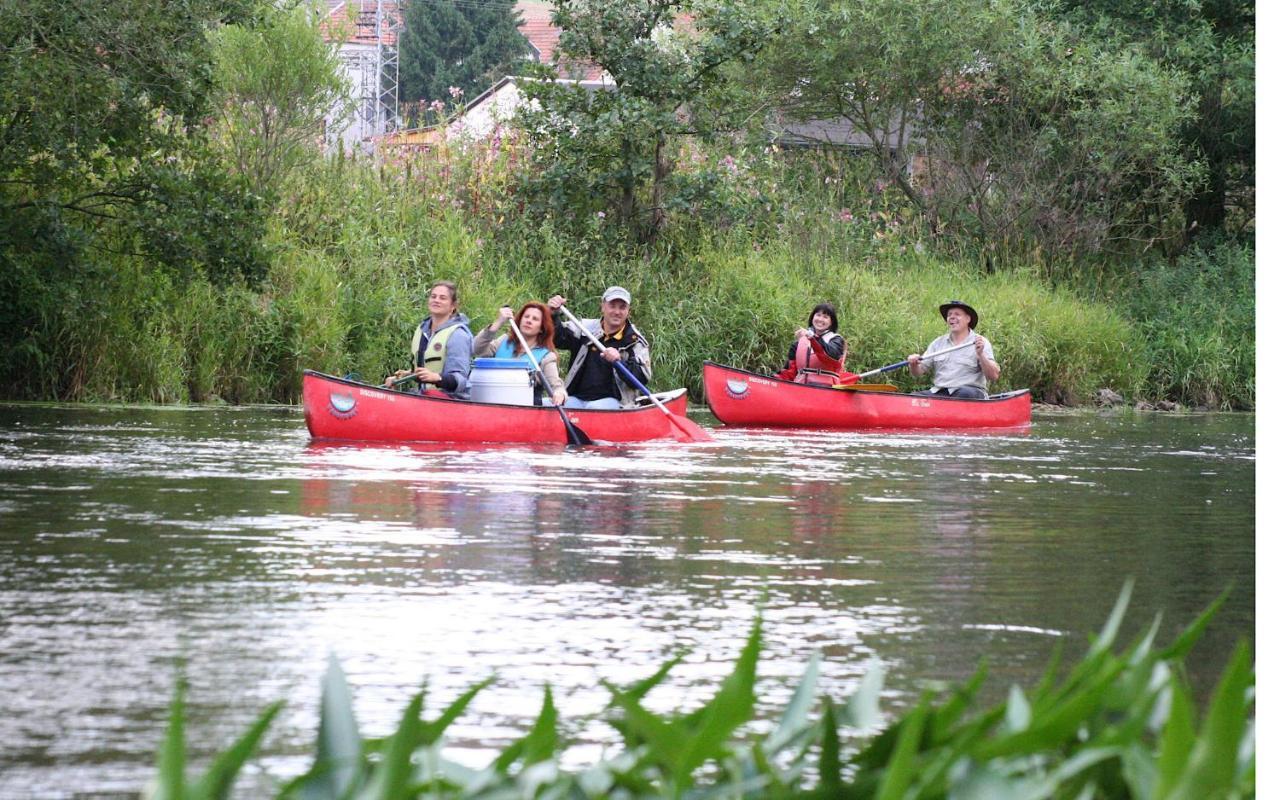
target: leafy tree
994 122
466 44
100 138
102 158
1062 143
1213 43
276 81
667 60
873 64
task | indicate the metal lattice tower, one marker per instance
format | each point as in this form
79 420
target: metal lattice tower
387 107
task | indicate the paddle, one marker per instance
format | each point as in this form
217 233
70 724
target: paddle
406 379
866 387
686 429
851 384
572 432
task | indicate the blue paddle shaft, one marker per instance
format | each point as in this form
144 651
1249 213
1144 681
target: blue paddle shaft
927 357
626 373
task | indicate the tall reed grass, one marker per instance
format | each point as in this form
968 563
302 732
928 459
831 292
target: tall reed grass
354 246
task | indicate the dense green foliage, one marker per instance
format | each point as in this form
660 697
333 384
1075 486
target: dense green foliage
1196 317
169 233
275 83
1024 135
454 50
1119 724
1213 44
611 149
105 166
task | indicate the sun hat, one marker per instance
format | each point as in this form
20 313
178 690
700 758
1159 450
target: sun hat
617 293
965 307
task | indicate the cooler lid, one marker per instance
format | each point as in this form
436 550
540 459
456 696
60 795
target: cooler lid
501 363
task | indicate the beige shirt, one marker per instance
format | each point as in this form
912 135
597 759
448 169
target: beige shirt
960 368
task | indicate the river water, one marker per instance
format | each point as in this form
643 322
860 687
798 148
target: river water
135 542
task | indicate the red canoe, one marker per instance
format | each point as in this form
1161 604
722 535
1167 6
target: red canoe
738 397
336 408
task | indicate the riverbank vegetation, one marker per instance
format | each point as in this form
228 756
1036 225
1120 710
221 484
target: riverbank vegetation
143 256
1121 723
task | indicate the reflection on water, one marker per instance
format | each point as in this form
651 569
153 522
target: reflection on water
135 540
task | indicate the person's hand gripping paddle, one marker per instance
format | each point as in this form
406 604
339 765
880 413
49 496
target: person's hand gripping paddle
685 429
574 434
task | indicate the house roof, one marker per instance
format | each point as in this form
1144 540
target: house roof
535 24
543 35
356 21
434 134
834 132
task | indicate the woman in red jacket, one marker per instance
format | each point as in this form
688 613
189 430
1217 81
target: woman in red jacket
817 355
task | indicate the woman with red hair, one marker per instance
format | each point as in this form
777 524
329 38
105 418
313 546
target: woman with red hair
538 329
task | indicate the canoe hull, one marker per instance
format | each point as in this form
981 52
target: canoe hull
742 398
338 409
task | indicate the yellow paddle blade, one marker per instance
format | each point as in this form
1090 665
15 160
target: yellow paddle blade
867 387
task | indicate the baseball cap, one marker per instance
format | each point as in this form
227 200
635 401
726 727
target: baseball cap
617 293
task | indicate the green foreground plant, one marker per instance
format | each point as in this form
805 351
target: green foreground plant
1120 724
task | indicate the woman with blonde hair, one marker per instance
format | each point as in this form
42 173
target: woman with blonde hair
441 348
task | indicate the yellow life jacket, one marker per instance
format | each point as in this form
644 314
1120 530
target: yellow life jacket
433 356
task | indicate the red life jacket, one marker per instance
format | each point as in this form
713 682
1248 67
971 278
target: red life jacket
814 366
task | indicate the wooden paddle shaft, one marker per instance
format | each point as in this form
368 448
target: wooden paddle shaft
944 351
903 363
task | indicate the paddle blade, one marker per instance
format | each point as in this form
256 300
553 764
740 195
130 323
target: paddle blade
686 430
575 434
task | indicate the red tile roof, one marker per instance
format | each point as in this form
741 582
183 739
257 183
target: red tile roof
356 21
537 28
543 34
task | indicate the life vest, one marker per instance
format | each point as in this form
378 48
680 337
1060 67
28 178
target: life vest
814 366
432 355
508 350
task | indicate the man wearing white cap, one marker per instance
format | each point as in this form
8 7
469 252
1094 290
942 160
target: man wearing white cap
591 381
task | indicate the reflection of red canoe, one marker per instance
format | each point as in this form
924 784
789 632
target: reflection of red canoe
738 397
341 409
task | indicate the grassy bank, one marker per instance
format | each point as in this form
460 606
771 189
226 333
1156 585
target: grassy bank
1121 723
353 249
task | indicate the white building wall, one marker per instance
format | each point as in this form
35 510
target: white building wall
489 114
353 130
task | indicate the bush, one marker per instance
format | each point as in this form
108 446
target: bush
1197 318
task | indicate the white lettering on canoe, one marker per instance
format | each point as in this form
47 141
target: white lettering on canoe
390 398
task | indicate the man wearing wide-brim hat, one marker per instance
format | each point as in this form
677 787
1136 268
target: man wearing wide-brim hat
965 371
